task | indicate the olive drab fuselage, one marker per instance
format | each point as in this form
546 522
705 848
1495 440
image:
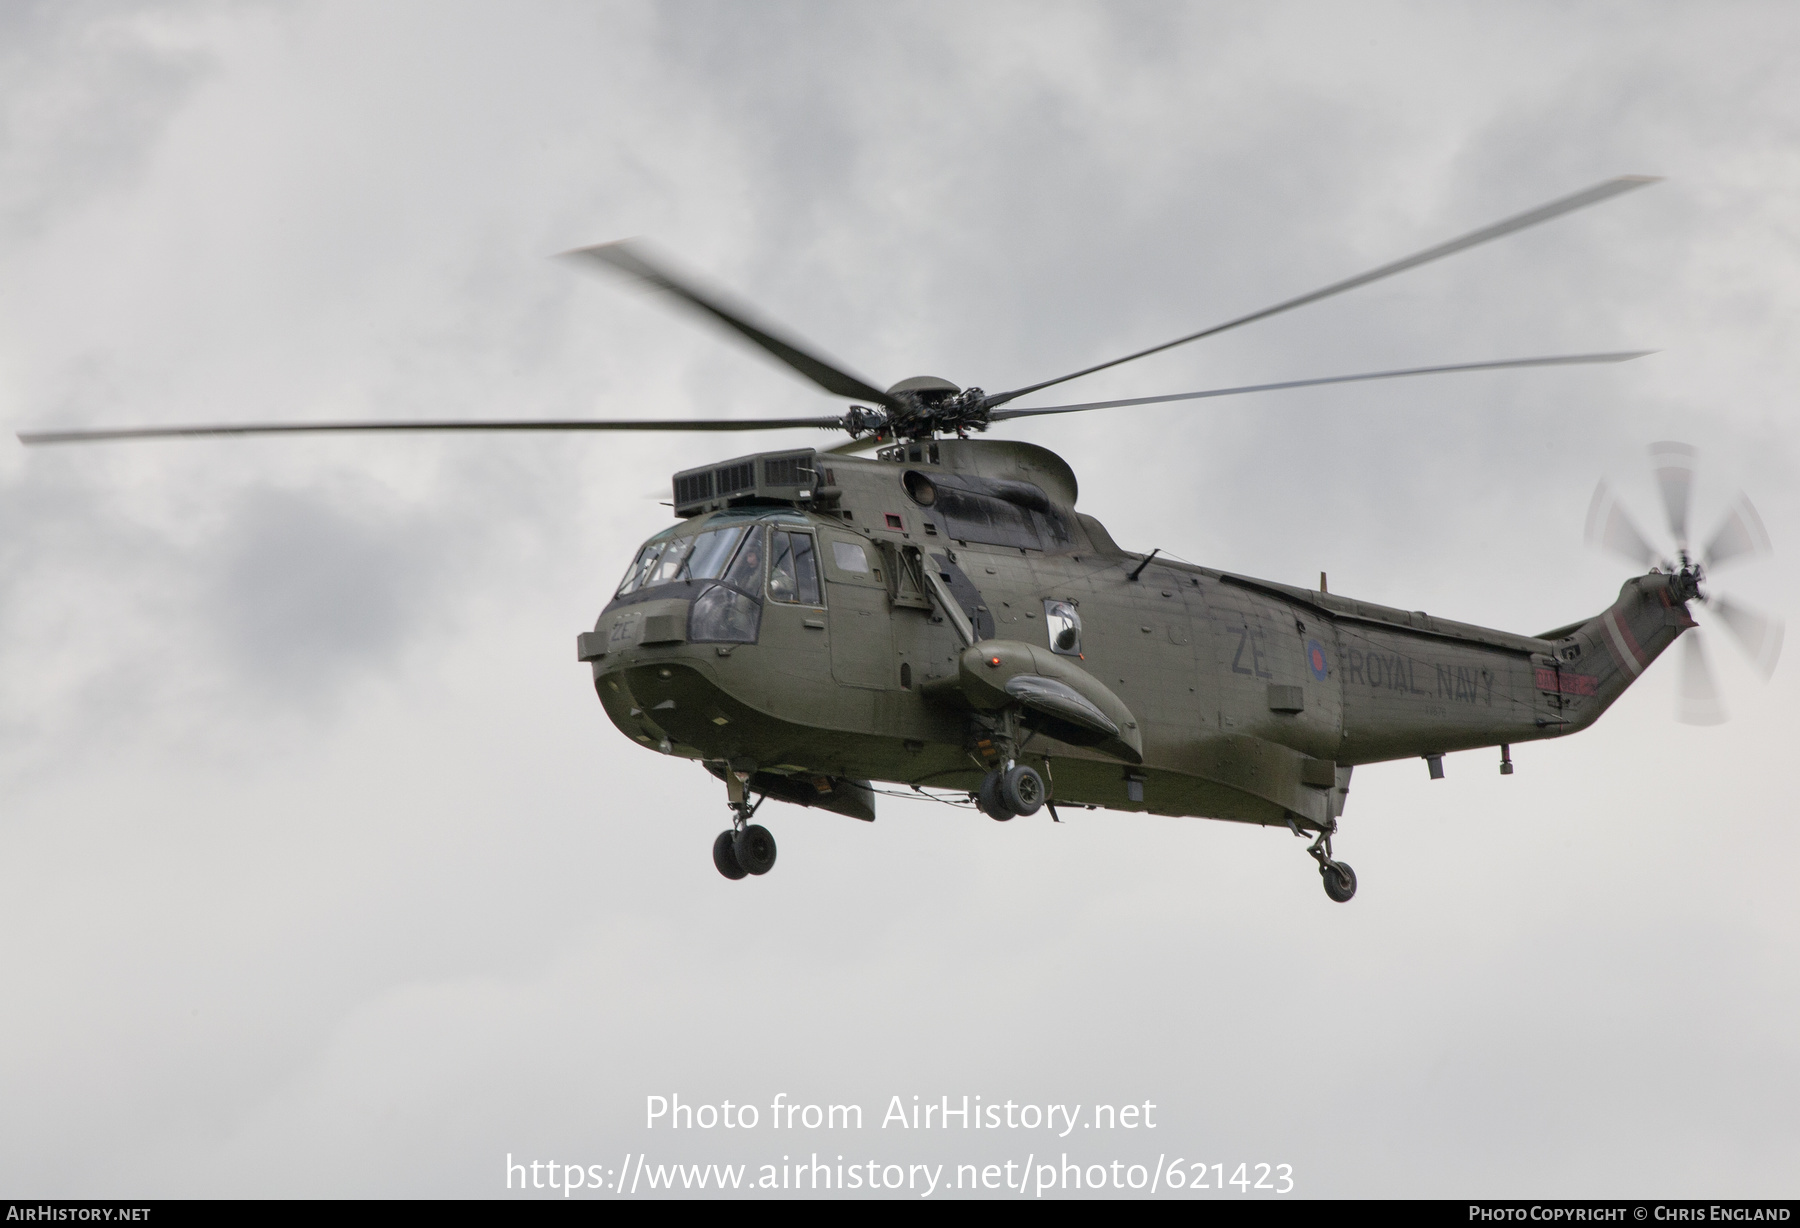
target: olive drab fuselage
916 617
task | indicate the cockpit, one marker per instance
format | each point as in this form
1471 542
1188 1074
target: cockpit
665 560
726 569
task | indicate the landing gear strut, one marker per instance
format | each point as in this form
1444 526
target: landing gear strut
1340 879
1009 789
747 848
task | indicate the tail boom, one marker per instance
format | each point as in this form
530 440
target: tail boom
1437 686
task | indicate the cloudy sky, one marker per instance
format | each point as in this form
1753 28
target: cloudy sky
321 871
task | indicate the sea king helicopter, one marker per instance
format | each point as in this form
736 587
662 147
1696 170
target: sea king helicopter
938 615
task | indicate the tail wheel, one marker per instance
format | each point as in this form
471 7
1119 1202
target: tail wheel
1340 880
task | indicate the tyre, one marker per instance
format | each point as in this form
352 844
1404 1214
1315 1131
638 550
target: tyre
755 849
989 800
1022 790
1340 881
725 857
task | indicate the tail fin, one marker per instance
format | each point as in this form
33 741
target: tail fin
1595 661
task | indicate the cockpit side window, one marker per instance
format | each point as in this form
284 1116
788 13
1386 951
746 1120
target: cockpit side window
793 568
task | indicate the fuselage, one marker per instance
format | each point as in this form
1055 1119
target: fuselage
817 643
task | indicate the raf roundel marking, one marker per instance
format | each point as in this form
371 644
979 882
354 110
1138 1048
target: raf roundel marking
1315 659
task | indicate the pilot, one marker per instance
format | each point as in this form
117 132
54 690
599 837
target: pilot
782 585
746 569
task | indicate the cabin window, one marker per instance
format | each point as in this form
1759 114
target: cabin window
850 557
793 568
1063 623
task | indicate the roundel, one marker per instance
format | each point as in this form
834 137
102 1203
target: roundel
1315 659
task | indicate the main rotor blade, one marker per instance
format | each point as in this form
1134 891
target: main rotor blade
1609 528
1543 213
1699 700
1759 635
449 424
1564 360
1674 466
633 259
1741 534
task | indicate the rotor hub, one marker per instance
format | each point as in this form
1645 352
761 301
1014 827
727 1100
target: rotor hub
1684 585
924 406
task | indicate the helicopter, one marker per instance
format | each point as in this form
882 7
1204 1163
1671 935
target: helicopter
921 608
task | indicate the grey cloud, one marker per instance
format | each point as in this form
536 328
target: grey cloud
89 87
307 587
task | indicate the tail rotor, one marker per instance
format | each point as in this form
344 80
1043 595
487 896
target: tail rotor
1698 702
1740 535
1673 464
1610 528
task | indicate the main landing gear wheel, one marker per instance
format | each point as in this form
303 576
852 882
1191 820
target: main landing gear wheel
1340 880
988 799
1022 790
725 857
1010 794
754 849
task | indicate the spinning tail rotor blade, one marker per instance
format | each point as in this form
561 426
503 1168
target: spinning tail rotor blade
1759 635
1609 528
634 259
1543 213
1674 466
1699 701
1741 534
